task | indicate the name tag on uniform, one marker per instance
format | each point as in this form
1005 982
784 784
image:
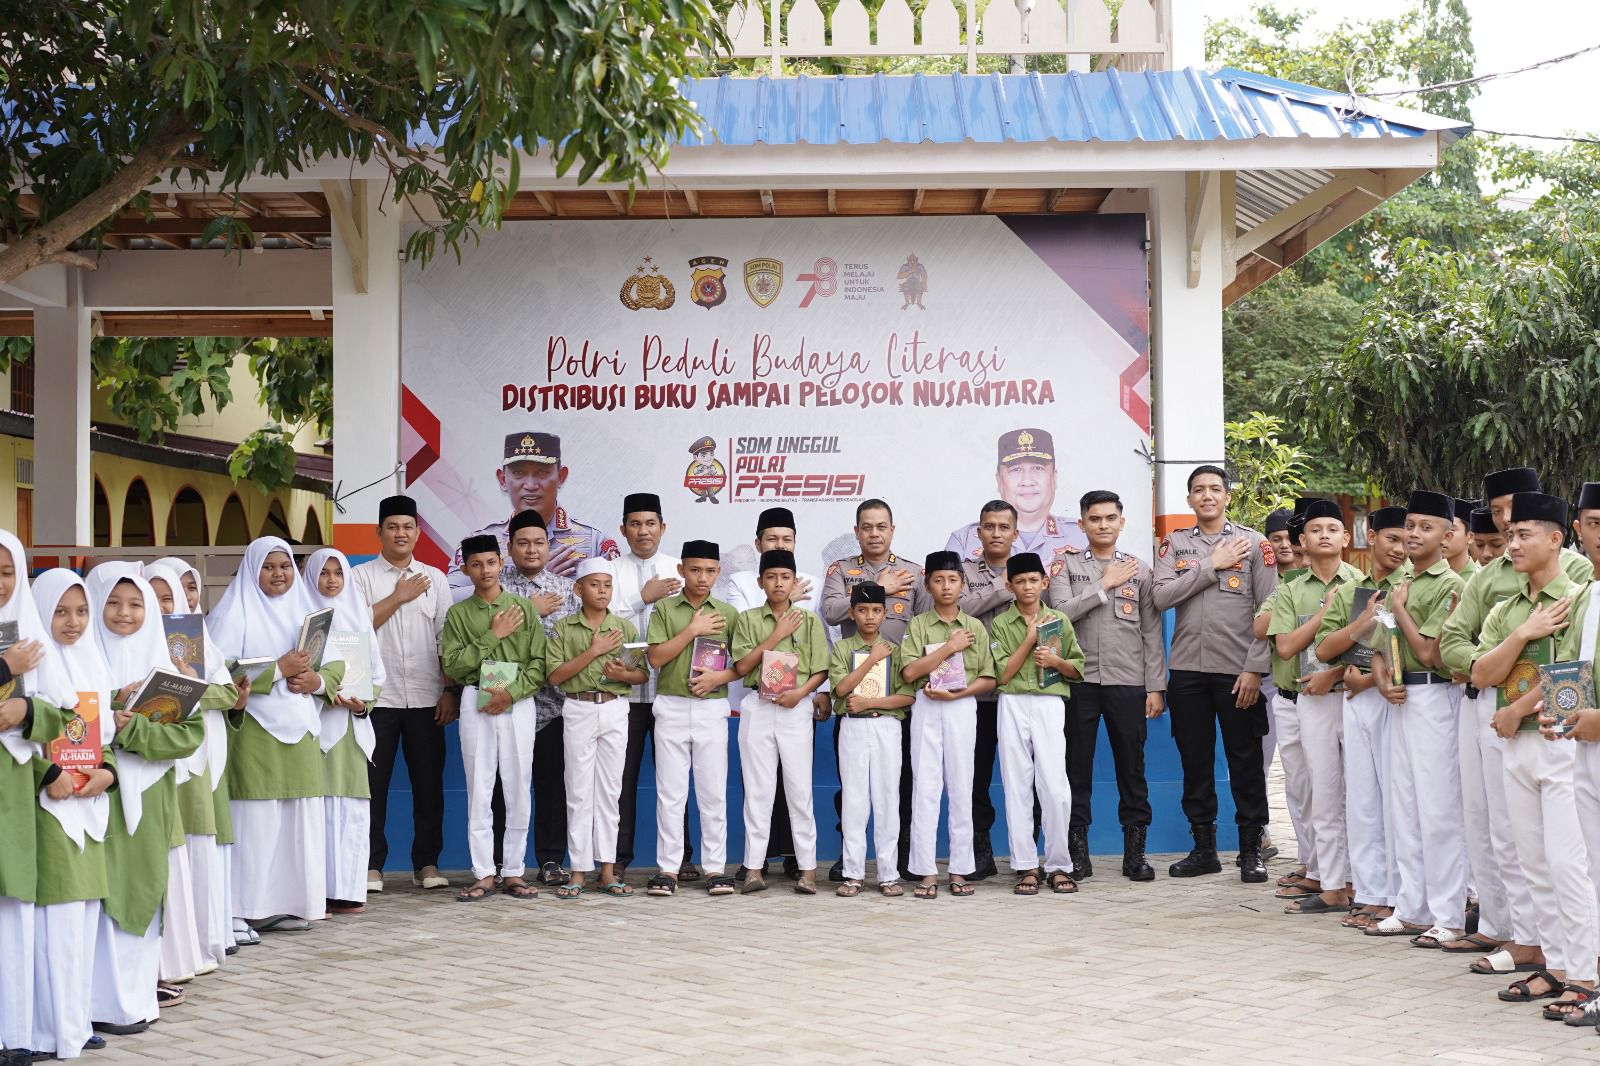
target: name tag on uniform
1128 603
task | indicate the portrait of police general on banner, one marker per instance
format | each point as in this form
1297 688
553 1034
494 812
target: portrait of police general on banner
735 365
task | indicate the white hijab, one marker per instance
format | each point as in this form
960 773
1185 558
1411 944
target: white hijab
350 615
129 660
181 566
214 672
248 623
81 668
20 609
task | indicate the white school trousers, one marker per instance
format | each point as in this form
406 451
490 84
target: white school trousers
1321 721
773 737
1586 789
16 956
181 953
279 859
1505 912
1430 846
349 842
63 969
869 779
1367 720
1542 800
692 736
126 966
498 744
1033 757
943 733
1296 781
594 745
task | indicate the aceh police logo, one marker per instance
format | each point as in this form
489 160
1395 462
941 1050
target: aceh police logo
707 285
763 280
706 476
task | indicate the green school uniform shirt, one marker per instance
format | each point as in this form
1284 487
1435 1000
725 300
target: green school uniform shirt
1283 672
928 628
68 873
136 863
573 635
1344 598
1006 634
468 641
1497 580
669 618
344 766
1428 604
19 865
262 767
841 664
1302 595
809 642
1510 613
1468 570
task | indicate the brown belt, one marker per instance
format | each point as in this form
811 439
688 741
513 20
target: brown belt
593 696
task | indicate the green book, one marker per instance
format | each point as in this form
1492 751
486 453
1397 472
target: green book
1568 688
494 674
1524 677
1050 636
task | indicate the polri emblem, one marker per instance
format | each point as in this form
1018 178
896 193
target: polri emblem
708 287
647 287
763 280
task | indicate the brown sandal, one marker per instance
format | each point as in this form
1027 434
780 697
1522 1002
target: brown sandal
1062 884
961 888
851 887
926 891
1027 884
891 888
804 887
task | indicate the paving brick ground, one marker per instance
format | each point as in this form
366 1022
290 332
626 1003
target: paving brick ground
1177 972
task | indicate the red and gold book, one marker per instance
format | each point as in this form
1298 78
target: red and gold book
78 750
780 673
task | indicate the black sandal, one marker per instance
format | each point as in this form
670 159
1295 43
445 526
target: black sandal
1581 997
1522 991
1062 884
1315 904
660 885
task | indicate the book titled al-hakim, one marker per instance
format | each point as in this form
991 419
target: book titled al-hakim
186 640
77 750
13 688
950 675
780 673
167 698
1568 688
314 635
494 673
875 683
1050 636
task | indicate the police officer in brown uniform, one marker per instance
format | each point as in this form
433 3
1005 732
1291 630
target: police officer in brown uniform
1217 575
1109 597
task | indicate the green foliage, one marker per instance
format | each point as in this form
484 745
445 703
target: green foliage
296 377
236 88
1267 472
151 382
265 457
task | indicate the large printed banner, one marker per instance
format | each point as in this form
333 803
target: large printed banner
812 363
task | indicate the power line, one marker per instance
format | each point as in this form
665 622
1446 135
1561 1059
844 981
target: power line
1478 79
1537 136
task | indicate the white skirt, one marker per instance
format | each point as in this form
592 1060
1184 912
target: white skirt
278 858
126 968
213 919
16 958
349 840
63 956
181 955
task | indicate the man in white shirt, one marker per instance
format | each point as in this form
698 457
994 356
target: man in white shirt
409 599
642 576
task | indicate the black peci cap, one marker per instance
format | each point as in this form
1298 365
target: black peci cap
1024 563
1322 509
775 518
1278 520
1386 518
867 592
1433 504
391 506
777 558
1507 482
479 544
641 502
700 549
942 561
1589 497
1482 522
1538 507
525 520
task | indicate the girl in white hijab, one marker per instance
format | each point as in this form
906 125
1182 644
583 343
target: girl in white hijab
71 821
127 961
274 754
23 727
347 738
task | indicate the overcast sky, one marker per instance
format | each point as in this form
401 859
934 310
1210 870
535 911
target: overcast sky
1559 99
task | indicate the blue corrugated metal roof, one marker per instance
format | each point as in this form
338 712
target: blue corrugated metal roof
1187 105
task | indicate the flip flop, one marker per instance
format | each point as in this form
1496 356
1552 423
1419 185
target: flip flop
569 891
961 888
1315 905
617 888
1392 926
753 884
1501 962
1472 942
519 890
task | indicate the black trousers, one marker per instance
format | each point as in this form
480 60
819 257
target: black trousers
641 729
413 731
1122 707
549 796
1201 705
985 748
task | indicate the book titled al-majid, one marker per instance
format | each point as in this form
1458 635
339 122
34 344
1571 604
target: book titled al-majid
167 698
355 648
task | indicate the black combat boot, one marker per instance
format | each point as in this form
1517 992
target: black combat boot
1078 851
1134 867
1203 858
1251 869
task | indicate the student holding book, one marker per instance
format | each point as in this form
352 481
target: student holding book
1542 622
346 736
25 723
494 645
274 757
953 669
188 579
70 818
781 652
1036 653
870 700
585 660
145 825
688 637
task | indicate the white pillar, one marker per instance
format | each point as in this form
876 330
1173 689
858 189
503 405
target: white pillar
63 503
1185 339
366 368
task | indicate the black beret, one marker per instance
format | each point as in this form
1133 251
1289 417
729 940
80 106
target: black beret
780 558
1387 518
1024 563
637 502
526 520
867 592
942 561
700 549
479 544
1589 497
1434 504
1483 522
1538 507
1506 482
1323 509
1279 520
775 518
396 505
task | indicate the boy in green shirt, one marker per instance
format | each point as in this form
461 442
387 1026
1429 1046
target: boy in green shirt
871 700
781 652
495 631
953 669
691 716
585 663
1032 723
